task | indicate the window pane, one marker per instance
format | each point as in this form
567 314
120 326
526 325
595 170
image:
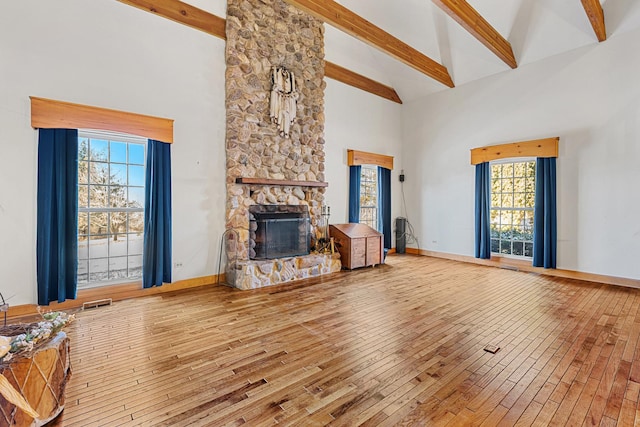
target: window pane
83 223
98 196
99 149
83 248
83 172
530 200
495 185
528 249
136 154
505 247
136 175
118 196
98 173
98 247
495 245
507 185
507 200
118 152
83 149
98 223
135 244
98 269
83 271
118 174
519 184
135 266
136 197
83 196
519 200
118 245
136 222
118 223
505 218
519 169
518 248
117 267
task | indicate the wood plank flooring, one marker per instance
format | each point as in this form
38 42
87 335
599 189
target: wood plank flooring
399 344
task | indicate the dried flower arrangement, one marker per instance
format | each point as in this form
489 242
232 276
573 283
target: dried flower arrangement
31 335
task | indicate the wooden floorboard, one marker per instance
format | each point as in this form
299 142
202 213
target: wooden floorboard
398 344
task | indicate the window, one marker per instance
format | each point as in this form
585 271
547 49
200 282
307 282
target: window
512 202
111 178
369 196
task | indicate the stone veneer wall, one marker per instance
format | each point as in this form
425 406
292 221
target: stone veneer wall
262 34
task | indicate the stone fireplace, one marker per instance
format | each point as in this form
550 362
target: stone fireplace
265 168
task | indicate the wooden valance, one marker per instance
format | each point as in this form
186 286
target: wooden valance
547 147
355 158
48 113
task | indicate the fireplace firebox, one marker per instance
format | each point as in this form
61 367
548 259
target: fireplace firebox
278 231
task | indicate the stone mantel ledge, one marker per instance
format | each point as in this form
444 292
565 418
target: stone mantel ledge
254 274
282 182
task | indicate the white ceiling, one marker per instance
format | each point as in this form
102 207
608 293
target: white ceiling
536 29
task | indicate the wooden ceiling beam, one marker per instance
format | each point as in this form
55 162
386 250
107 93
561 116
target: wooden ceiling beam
199 19
351 78
464 14
345 20
183 13
596 17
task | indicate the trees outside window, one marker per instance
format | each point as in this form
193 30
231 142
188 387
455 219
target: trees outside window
111 178
512 202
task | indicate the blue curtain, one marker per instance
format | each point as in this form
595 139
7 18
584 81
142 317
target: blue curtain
57 217
544 214
483 208
384 204
156 253
354 193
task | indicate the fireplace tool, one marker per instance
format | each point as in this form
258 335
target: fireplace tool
324 242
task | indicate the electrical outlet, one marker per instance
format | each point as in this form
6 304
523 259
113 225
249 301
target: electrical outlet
178 264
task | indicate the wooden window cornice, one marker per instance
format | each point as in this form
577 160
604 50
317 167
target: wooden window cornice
547 147
48 113
355 158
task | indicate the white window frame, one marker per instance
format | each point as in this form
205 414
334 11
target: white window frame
118 137
531 210
374 208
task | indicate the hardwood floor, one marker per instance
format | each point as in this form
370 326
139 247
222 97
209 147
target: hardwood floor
399 344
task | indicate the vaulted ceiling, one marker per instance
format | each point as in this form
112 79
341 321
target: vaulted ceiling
534 29
419 47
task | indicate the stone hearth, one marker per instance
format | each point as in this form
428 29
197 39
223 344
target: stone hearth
258 274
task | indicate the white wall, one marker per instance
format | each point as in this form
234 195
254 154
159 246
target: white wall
590 98
108 54
360 121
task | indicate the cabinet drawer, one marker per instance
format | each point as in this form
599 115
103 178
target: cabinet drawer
358 252
373 250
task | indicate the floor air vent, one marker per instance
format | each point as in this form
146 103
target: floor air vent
493 349
97 303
